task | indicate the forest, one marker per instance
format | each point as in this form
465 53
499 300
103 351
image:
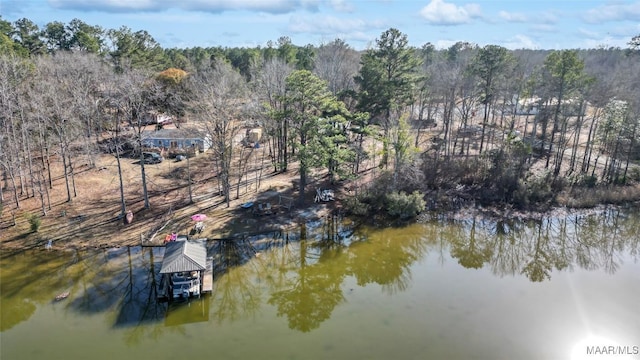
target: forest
441 127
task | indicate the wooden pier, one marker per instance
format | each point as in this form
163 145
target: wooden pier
163 289
207 279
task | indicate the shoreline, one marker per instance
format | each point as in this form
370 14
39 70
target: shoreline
216 229
286 222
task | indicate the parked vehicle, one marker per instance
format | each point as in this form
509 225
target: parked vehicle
152 158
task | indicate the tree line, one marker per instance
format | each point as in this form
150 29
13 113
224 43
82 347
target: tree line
487 123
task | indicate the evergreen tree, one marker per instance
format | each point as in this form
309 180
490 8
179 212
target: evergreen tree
318 121
386 80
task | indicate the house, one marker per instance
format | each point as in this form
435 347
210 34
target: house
177 139
527 106
535 106
185 269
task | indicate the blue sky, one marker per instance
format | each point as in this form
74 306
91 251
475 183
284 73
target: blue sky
558 24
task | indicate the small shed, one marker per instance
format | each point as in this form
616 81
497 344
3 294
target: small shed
174 139
254 135
155 118
183 268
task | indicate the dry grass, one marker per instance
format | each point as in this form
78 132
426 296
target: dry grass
590 197
92 218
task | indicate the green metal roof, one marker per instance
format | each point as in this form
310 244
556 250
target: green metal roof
181 256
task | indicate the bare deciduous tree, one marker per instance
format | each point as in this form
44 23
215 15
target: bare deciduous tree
337 63
269 86
219 93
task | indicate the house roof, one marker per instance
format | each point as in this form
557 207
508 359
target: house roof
181 256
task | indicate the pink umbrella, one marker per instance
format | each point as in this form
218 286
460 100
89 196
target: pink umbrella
198 217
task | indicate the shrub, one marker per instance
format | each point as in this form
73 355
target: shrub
35 222
585 180
634 174
537 190
403 205
354 205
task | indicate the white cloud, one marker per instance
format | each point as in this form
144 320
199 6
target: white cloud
613 37
326 28
604 42
445 44
438 12
589 34
512 17
520 42
548 18
331 25
628 31
106 5
213 6
613 11
341 5
18 9
544 28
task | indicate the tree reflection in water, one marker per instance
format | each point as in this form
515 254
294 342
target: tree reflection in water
14 311
31 278
99 280
536 248
311 294
235 293
314 288
302 272
385 256
470 252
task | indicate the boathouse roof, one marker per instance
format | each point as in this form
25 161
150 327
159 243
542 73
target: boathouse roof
181 256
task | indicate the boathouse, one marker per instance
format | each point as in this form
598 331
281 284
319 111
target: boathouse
186 270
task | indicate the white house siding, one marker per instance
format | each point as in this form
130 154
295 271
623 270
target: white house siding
176 138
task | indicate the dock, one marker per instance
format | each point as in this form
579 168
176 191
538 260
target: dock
186 270
207 279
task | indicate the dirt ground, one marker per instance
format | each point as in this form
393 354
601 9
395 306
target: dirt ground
92 219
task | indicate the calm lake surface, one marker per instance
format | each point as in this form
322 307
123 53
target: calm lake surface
444 289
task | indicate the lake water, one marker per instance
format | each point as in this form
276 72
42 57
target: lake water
553 288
